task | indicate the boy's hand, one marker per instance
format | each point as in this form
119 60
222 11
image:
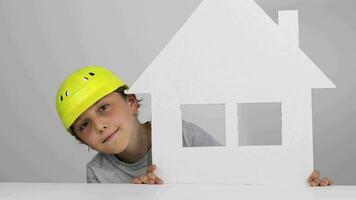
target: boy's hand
149 178
314 180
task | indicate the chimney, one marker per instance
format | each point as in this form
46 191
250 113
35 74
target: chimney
288 23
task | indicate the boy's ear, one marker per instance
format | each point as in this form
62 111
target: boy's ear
133 103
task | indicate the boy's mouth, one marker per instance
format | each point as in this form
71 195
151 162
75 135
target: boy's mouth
111 135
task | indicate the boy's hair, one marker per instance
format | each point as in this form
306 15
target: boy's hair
121 91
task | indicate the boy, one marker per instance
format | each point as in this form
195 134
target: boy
95 110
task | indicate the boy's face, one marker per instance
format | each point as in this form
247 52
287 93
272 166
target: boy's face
107 126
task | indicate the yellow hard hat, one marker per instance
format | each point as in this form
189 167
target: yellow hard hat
82 89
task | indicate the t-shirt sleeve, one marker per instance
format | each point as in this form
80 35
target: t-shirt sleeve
194 136
91 178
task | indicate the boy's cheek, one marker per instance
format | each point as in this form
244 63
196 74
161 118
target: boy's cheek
89 139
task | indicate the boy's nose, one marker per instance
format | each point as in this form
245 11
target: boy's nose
101 126
102 130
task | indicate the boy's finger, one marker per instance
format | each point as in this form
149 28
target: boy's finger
324 182
143 179
312 184
330 182
154 177
158 181
151 175
314 175
136 180
146 180
151 168
315 182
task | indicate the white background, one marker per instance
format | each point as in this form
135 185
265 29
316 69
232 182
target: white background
43 41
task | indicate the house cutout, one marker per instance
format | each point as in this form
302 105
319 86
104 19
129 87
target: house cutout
231 52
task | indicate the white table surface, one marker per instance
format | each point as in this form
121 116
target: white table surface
38 191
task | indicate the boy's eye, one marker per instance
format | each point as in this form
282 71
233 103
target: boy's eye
85 124
104 107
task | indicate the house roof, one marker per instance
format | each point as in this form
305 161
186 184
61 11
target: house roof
232 43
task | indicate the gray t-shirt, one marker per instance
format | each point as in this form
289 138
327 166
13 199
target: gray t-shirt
107 168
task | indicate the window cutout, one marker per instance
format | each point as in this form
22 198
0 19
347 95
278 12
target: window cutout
85 78
91 73
203 125
144 113
259 124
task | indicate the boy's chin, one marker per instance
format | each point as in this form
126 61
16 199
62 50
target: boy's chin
112 150
117 150
113 147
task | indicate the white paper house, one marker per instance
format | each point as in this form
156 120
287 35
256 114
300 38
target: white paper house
231 52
